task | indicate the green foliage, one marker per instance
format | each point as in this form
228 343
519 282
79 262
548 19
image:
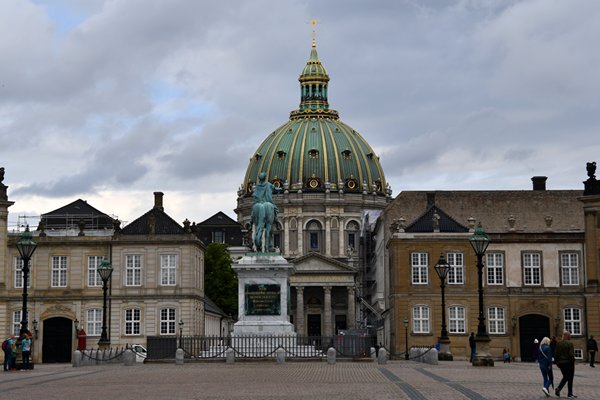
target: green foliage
220 280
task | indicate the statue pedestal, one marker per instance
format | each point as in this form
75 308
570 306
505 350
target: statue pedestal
483 357
263 293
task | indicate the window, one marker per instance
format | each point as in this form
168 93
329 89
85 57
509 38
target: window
420 319
167 321
16 323
456 275
133 270
495 268
578 354
569 269
419 268
59 271
496 320
218 237
456 319
168 266
532 269
314 241
19 274
93 264
572 318
94 322
132 321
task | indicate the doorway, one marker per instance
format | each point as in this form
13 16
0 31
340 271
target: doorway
314 324
57 340
531 327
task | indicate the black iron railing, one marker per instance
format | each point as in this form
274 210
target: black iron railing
260 346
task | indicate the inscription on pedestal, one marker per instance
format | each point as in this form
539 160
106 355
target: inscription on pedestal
262 299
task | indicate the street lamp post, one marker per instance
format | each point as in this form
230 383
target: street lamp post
105 271
442 269
26 247
480 241
405 322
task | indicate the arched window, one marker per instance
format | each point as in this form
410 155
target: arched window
352 235
314 236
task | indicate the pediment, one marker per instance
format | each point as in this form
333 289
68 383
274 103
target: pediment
315 263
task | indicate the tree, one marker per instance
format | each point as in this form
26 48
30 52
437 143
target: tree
220 280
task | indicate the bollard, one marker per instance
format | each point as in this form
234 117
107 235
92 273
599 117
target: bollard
373 353
179 356
77 358
229 356
331 355
280 356
382 357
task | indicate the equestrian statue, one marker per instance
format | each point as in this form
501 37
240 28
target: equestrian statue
264 214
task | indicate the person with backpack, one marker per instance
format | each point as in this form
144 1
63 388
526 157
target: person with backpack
7 347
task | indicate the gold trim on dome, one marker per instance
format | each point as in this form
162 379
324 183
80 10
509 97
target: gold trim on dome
325 158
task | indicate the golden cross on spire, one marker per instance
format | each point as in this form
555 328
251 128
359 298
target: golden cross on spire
313 22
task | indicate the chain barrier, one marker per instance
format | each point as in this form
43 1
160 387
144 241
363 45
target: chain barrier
110 358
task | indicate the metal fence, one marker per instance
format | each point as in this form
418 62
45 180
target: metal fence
260 346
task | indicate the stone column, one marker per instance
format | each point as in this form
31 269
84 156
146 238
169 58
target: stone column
327 237
351 316
286 237
327 330
342 239
300 310
300 249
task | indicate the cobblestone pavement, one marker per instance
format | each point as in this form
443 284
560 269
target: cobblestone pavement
291 380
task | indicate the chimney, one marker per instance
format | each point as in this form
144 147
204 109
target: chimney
158 200
539 182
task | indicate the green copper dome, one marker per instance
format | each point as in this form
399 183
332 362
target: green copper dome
314 150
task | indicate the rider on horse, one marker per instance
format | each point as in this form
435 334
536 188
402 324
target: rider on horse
264 212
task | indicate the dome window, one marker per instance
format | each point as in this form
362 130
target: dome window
258 156
370 155
281 154
277 183
313 183
351 184
346 153
313 153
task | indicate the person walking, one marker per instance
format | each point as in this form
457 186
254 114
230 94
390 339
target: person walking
545 363
565 359
592 348
25 351
472 345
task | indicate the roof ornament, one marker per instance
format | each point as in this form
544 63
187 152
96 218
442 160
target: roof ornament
313 22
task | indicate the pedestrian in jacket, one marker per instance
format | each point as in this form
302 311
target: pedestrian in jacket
545 363
565 359
592 348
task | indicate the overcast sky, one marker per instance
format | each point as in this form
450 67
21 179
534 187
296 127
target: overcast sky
111 100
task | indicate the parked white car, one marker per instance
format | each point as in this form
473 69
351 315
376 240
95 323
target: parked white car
140 352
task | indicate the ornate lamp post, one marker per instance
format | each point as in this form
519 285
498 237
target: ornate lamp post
405 323
442 268
105 271
480 241
26 247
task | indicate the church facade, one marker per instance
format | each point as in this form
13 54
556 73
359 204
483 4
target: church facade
326 177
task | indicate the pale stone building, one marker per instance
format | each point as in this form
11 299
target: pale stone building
157 279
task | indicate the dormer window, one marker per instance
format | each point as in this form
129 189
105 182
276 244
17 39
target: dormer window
281 154
370 155
257 156
346 153
313 153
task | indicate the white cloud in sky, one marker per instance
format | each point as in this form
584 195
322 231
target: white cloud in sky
110 100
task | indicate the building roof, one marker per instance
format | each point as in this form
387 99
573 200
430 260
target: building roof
498 210
314 150
211 307
68 216
155 221
435 216
219 219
